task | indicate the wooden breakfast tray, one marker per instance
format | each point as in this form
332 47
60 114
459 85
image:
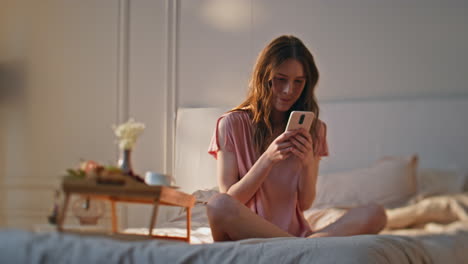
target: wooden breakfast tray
130 192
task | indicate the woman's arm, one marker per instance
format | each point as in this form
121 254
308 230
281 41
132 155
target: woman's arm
245 188
310 164
307 183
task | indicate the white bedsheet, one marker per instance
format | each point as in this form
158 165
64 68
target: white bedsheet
25 247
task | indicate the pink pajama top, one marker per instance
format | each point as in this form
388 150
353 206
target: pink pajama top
276 200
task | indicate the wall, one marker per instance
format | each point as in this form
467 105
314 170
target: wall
364 49
76 69
67 106
13 31
147 92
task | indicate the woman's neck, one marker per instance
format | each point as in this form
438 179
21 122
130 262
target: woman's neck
278 119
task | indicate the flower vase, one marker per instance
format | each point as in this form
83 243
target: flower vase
125 163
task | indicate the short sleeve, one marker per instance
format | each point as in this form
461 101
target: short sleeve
321 148
223 138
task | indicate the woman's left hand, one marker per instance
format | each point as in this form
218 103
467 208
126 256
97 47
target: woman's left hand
302 146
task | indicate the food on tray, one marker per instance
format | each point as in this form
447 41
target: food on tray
89 165
92 170
76 174
110 175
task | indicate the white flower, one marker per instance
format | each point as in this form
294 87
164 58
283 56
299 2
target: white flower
128 132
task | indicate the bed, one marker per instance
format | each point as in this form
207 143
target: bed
410 155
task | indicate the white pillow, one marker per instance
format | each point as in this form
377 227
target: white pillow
199 210
438 181
390 182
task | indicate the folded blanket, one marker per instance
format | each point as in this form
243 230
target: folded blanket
423 214
441 209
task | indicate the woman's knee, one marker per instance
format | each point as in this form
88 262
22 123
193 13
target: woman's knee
221 207
377 218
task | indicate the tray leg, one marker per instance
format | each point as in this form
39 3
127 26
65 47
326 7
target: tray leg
63 213
114 217
189 218
154 215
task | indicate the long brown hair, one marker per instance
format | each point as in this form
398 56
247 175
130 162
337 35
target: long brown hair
258 102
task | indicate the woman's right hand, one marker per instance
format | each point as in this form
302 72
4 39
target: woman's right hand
280 148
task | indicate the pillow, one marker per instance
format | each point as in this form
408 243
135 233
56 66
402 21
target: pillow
438 181
199 210
390 181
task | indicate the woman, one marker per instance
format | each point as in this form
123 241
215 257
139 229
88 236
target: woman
266 176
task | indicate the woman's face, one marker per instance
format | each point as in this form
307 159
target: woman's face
287 84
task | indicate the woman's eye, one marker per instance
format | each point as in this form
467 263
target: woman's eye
299 81
281 79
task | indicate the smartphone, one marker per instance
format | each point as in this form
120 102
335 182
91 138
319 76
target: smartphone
300 119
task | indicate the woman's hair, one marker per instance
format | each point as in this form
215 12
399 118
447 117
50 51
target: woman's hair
259 98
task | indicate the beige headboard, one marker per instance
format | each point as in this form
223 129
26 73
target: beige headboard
195 169
359 132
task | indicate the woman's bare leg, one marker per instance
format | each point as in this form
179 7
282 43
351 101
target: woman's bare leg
370 219
231 220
